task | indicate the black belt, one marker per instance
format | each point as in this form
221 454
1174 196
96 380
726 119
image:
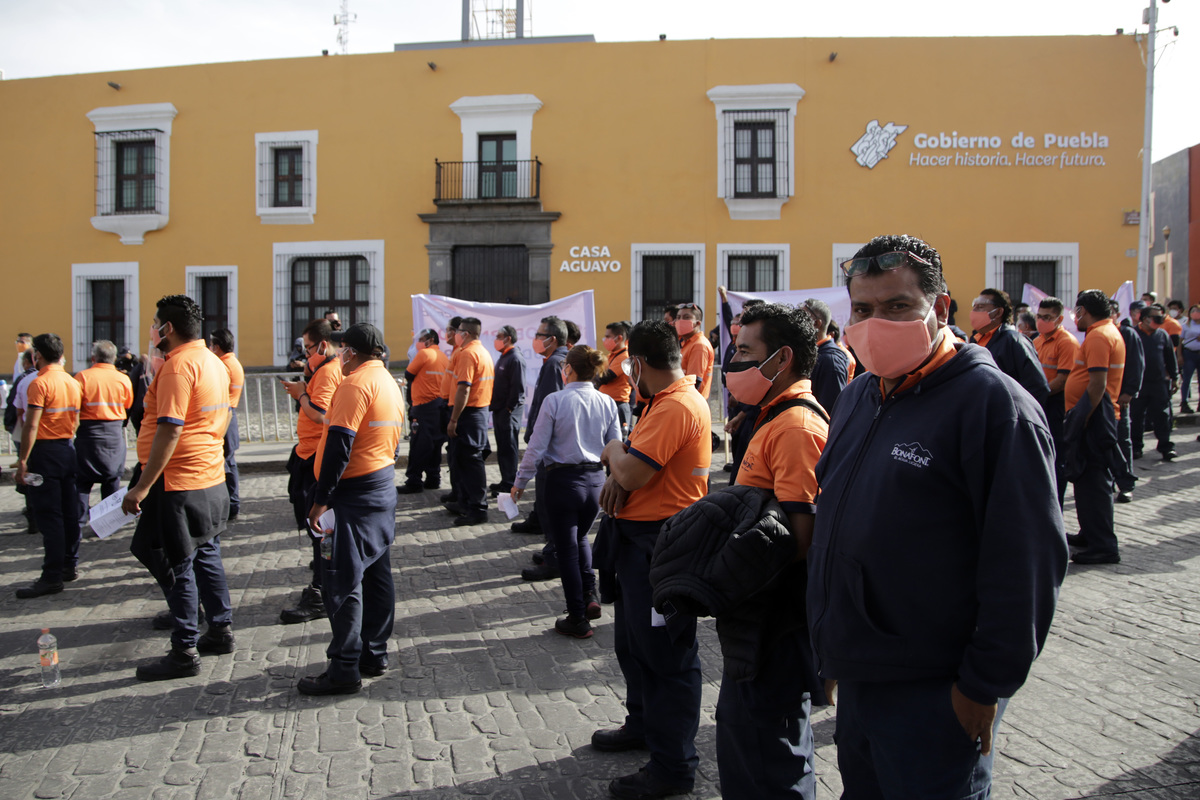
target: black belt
587 466
52 441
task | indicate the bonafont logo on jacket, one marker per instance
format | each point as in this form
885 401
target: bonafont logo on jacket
912 454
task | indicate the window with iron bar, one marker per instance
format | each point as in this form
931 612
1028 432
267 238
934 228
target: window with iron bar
757 143
129 172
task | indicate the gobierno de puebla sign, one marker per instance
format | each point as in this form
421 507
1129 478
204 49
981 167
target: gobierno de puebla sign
957 149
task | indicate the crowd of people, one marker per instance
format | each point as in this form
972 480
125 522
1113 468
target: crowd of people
918 613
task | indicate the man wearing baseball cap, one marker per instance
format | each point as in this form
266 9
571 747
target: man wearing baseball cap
355 468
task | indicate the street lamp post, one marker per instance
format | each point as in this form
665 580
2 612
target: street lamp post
1143 274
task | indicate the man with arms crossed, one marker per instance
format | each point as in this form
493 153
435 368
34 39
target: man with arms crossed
930 589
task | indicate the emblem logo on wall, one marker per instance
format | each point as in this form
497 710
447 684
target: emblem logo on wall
875 144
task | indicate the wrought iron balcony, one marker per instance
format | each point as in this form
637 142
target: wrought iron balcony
488 181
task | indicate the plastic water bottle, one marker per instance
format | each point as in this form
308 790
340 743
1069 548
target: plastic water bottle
33 479
48 655
327 547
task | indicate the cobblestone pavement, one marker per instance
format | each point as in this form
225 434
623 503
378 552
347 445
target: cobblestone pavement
485 700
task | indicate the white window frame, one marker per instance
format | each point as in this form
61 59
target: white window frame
637 251
192 276
783 269
842 251
998 252
81 317
761 97
281 283
157 117
494 114
265 145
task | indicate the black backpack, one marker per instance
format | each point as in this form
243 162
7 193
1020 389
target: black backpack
10 411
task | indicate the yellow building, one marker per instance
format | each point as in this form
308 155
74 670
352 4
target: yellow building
650 172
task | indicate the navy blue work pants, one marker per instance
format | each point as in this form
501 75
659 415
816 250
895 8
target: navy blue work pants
1055 408
901 740
1094 508
425 443
507 426
363 624
1152 408
232 442
1125 479
470 447
55 505
542 516
199 579
100 455
662 676
764 736
572 505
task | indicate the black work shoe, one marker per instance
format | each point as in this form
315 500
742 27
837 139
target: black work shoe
372 669
1137 454
538 558
410 488
593 606
578 627
542 572
39 588
1170 455
1096 557
69 575
448 497
477 518
217 640
175 664
455 509
1125 497
1186 409
1076 540
322 684
641 785
432 483
526 526
617 740
311 607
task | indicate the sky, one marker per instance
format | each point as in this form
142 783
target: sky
59 37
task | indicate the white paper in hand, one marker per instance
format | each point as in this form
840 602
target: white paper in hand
507 505
106 517
325 522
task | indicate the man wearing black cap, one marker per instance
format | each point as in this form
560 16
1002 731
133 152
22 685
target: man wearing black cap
355 468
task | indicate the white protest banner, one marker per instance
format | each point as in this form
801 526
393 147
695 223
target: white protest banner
434 311
1124 297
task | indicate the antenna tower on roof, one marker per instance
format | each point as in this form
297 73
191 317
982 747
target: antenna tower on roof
497 19
342 20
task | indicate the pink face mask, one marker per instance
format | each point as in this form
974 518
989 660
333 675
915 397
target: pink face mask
685 326
888 348
538 345
745 380
1046 328
734 330
979 320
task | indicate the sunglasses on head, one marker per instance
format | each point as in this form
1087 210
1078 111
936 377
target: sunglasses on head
885 261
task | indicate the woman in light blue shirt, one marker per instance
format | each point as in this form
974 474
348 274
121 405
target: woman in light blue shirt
1189 340
572 428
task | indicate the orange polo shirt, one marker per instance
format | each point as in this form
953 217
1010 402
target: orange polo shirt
237 378
190 390
429 368
58 395
783 454
1056 352
982 339
1103 349
448 383
698 358
943 351
369 407
474 368
675 437
1172 326
107 393
619 389
321 386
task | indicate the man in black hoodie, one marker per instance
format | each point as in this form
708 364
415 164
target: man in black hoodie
938 545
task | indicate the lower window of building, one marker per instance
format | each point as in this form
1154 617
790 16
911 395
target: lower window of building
497 274
666 280
340 283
